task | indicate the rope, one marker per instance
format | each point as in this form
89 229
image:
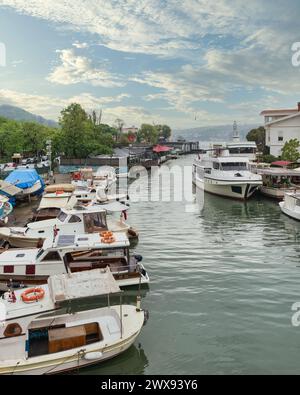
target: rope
81 352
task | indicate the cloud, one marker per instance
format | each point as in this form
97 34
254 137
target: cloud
80 45
50 106
76 69
162 27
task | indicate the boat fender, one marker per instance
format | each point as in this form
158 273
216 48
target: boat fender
92 356
139 258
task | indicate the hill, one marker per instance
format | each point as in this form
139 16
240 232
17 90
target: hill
18 114
212 133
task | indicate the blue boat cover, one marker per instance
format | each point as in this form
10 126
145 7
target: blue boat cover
25 178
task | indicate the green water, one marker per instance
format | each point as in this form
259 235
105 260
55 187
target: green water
223 281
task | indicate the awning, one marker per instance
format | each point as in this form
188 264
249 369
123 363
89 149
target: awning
114 207
281 163
161 148
82 285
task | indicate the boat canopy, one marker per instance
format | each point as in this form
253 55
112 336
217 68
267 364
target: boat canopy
278 171
24 178
9 189
281 163
82 285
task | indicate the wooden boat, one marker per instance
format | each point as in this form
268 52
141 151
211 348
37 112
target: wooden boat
36 338
73 253
278 181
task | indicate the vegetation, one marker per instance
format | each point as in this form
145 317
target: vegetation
78 135
259 136
290 150
152 133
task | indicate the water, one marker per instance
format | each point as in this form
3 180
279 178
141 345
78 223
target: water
223 281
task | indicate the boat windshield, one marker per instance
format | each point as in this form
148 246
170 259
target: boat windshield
229 166
40 253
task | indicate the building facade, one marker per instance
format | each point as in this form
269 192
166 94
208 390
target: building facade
281 127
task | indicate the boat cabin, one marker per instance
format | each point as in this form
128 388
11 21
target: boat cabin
72 253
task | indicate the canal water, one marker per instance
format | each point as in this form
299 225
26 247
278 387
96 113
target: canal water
223 282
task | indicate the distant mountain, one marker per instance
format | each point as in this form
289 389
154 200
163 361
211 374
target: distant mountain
18 114
220 133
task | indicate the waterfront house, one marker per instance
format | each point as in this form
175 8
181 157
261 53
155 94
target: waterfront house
281 126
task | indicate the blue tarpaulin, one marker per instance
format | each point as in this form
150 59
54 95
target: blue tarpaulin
25 178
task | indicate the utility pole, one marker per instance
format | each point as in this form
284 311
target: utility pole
49 155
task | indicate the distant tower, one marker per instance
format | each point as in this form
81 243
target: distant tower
235 133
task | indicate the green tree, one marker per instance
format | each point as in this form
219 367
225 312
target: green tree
164 131
148 133
76 131
259 136
290 150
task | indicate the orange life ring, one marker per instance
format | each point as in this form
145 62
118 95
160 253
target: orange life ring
38 294
108 240
106 234
77 176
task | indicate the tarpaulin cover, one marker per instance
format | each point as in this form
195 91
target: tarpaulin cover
24 178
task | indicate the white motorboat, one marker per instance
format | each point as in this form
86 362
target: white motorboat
218 173
73 253
76 220
291 205
38 337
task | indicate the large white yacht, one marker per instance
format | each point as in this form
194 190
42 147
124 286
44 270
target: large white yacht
221 174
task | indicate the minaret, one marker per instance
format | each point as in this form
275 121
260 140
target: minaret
235 133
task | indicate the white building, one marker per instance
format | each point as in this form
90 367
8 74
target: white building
281 126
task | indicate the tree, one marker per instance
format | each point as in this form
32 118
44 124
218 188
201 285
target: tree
290 150
259 136
34 137
148 133
164 131
119 126
77 130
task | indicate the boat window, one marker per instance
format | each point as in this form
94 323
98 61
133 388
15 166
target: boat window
216 165
232 166
95 222
74 219
62 216
13 330
236 189
52 256
207 171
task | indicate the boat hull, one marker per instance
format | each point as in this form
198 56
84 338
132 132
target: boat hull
246 189
77 358
274 193
290 213
123 279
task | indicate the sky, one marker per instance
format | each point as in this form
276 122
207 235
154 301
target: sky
185 63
